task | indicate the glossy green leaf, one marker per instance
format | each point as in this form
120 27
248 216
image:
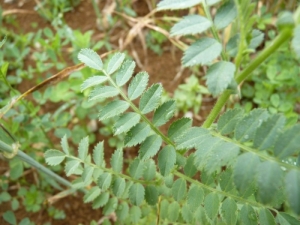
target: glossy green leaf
91 194
202 52
136 168
116 160
219 76
83 148
115 62
296 41
118 187
151 98
225 15
98 154
103 92
176 4
136 194
173 211
137 134
138 85
71 166
287 142
90 58
229 211
101 200
192 138
122 211
166 160
64 145
244 173
164 113
228 121
266 217
179 127
54 157
191 24
125 72
248 215
104 181
150 146
268 132
179 189
151 195
126 122
211 205
112 109
195 197
110 207
292 186
92 81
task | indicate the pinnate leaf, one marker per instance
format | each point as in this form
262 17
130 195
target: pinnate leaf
122 211
211 205
173 211
179 127
116 160
151 195
135 214
126 122
112 109
90 58
137 134
125 72
98 154
136 194
248 215
87 174
191 138
164 113
150 99
296 41
149 170
292 186
266 217
101 200
219 77
228 120
166 160
115 62
83 148
225 15
286 219
229 211
191 24
64 145
103 92
256 39
138 85
54 157
119 186
104 181
202 52
195 197
92 81
177 4
179 189
110 207
150 147
93 193
71 166
136 168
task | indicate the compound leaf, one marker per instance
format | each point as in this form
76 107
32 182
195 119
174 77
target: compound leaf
138 85
189 167
64 144
176 4
266 217
248 215
91 194
115 62
191 24
137 134
103 92
122 211
296 41
151 195
228 120
187 214
87 174
179 189
211 205
150 99
202 52
136 194
225 15
286 219
92 81
112 109
101 200
136 168
164 113
191 138
150 146
116 160
166 160
149 170
256 39
178 127
126 122
54 157
118 187
219 77
90 58
71 166
83 148
104 181
173 211
229 211
125 72
292 186
195 197
135 214
110 207
98 154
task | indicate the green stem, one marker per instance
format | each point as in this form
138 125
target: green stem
278 41
8 149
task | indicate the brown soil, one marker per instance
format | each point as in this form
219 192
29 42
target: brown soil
161 68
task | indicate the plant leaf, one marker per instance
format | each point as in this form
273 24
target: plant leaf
229 211
122 211
125 72
103 92
137 134
228 120
202 52
138 85
179 189
176 4
166 160
92 81
101 200
187 214
164 113
151 195
150 99
189 167
225 15
248 215
90 58
116 160
126 122
191 24
136 168
287 142
115 62
256 39
173 211
178 127
296 41
211 205
267 133
219 77
93 193
232 45
118 187
136 194
64 145
286 219
104 181
3 41
112 109
54 157
135 214
195 197
98 155
266 217
110 207
292 186
149 170
87 174
83 148
71 166
191 138
150 147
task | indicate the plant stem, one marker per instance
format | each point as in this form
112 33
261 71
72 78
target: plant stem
24 157
284 35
